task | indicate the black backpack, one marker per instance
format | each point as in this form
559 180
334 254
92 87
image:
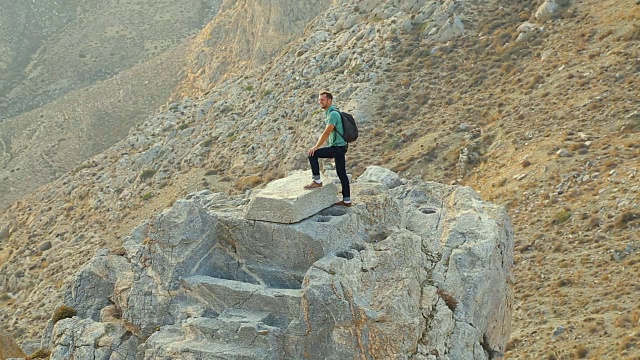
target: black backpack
349 126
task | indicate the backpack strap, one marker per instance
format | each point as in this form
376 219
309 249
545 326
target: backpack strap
336 129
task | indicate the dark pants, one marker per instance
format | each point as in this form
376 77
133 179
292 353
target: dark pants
337 153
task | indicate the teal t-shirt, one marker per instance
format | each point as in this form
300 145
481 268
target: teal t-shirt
332 116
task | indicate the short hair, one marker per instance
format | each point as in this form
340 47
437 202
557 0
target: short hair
327 94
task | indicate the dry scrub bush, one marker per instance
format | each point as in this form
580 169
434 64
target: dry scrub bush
248 182
274 174
63 312
628 219
561 217
630 342
39 354
580 352
633 34
448 299
624 321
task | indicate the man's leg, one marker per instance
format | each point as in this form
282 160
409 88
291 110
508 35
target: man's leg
325 152
341 169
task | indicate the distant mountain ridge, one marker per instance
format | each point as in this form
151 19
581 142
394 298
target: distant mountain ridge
57 47
110 66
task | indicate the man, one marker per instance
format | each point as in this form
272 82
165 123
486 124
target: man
336 149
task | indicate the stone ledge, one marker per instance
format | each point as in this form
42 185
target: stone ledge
285 201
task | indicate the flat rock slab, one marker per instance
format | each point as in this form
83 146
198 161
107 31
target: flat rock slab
286 201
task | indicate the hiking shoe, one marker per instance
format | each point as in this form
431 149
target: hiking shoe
313 185
342 203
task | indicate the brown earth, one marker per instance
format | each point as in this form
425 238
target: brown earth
9 348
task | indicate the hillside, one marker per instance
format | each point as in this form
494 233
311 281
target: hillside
543 120
41 145
107 67
76 75
56 47
245 34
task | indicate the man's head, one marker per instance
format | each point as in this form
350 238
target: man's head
325 100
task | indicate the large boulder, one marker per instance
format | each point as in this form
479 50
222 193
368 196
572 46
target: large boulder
441 287
371 298
381 175
286 201
420 271
95 284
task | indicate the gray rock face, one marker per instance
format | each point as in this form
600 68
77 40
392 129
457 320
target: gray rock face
381 175
370 298
93 293
86 339
421 271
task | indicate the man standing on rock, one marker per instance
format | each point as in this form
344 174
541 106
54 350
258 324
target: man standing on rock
337 148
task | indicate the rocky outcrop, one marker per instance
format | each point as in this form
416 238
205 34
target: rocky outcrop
420 271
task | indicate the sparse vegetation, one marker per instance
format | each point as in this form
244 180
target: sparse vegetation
355 68
120 251
392 144
63 312
449 300
568 214
561 216
581 352
633 34
147 174
248 182
206 143
628 219
39 354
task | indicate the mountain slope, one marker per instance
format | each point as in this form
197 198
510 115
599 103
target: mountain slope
57 47
99 50
76 75
245 35
43 144
477 107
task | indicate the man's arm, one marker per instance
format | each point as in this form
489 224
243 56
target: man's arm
325 135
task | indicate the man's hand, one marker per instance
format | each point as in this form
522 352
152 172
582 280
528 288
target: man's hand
325 135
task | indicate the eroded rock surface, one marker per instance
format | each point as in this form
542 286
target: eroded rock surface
421 271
